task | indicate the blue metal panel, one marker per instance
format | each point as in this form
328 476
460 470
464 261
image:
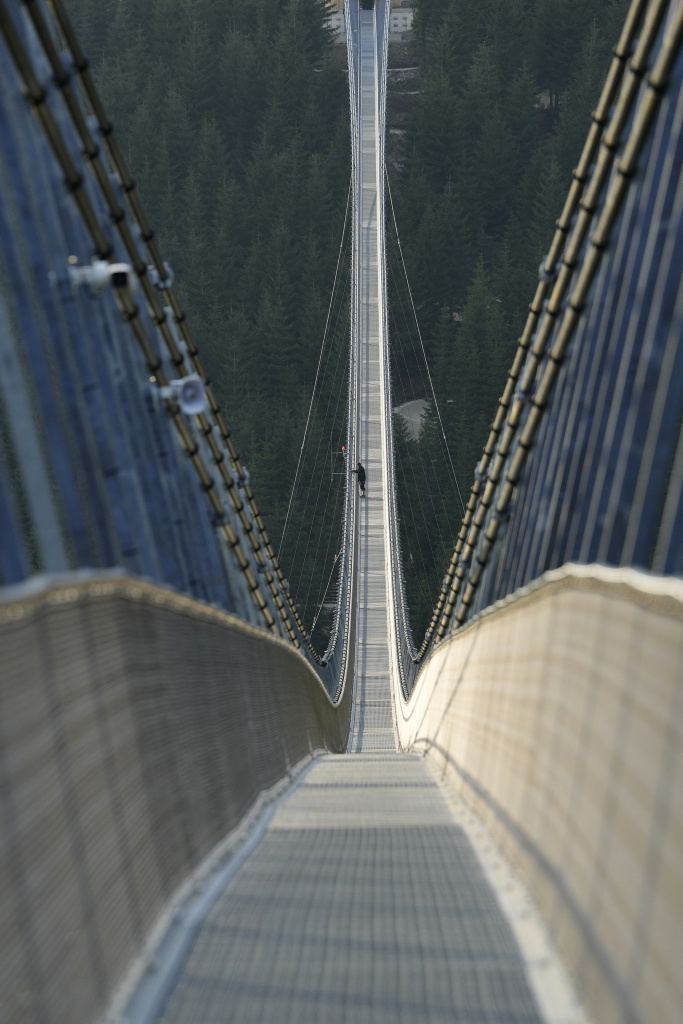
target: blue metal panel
126 493
595 485
14 565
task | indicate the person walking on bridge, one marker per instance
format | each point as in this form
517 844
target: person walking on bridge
361 478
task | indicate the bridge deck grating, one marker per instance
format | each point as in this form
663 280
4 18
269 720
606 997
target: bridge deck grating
363 904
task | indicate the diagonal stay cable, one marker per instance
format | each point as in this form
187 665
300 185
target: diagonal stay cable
327 587
326 504
317 374
313 473
419 442
419 334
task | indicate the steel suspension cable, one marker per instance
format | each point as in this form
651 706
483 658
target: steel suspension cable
419 449
163 283
320 603
413 517
318 493
317 374
445 545
37 96
342 351
330 536
551 269
419 334
424 517
325 508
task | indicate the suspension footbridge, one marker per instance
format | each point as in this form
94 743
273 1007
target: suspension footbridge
204 819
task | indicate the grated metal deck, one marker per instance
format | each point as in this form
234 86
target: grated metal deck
362 904
373 724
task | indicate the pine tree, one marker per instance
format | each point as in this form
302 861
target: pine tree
433 143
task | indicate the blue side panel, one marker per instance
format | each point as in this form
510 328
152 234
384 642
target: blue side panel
13 562
123 490
607 467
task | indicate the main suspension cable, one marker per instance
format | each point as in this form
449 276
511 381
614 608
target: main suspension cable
327 587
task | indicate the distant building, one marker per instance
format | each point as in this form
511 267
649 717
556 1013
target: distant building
335 17
400 22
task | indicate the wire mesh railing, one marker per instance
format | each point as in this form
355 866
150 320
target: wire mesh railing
140 726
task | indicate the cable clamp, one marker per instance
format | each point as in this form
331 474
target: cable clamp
502 517
159 282
524 396
101 274
545 275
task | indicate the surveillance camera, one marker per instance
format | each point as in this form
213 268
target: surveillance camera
101 274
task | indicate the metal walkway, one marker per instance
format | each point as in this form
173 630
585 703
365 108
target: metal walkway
363 901
373 725
362 904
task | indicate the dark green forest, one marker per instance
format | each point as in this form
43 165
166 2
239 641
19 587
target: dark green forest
233 118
